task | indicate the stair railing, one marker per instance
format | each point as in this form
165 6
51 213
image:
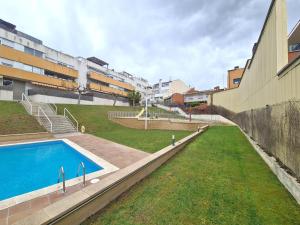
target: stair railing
28 104
66 111
42 113
53 106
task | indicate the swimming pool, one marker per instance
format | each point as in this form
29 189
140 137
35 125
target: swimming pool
32 166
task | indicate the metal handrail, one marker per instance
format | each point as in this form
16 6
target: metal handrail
122 114
61 174
40 109
55 107
25 99
66 110
81 165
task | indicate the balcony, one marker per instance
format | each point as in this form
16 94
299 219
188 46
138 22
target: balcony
36 78
105 89
19 56
108 80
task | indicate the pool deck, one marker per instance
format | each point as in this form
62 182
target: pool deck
119 155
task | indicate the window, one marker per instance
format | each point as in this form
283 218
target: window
37 70
6 62
8 43
7 82
29 50
236 80
32 51
27 68
38 54
165 84
295 47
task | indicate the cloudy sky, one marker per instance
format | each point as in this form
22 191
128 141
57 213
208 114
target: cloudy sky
193 40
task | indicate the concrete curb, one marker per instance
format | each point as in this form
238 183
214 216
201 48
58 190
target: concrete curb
289 182
78 206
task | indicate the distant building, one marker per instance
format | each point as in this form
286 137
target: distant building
163 90
193 96
294 43
175 100
140 84
28 66
234 77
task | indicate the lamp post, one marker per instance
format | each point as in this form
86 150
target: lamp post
80 90
146 118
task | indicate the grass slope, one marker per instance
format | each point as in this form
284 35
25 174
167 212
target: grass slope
15 120
95 119
217 179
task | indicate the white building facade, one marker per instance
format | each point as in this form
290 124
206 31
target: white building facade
163 90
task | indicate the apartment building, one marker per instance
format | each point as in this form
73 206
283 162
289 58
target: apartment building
193 96
140 84
163 90
294 43
28 66
25 62
234 77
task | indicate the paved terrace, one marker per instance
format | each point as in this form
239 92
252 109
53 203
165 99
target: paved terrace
118 155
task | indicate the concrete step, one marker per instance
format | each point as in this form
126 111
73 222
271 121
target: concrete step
60 124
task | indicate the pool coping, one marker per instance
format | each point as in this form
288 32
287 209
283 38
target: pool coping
107 168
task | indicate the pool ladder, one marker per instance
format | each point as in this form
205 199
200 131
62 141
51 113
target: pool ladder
81 165
61 174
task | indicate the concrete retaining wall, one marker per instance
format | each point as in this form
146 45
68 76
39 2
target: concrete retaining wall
205 118
6 95
76 207
158 124
61 100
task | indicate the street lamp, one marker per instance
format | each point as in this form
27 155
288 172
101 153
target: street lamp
146 118
81 90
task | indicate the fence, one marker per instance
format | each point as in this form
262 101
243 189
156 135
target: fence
122 114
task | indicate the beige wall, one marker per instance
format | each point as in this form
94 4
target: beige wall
261 84
178 86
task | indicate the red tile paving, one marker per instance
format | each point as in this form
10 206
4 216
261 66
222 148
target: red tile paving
118 155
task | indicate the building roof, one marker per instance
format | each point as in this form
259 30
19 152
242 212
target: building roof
97 61
192 91
12 28
294 36
7 26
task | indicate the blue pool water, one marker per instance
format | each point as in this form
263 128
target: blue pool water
28 167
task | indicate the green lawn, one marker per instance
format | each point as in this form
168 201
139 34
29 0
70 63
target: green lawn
217 179
15 120
95 119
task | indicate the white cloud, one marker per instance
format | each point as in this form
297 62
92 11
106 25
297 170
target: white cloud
194 40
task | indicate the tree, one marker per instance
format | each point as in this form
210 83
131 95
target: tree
134 97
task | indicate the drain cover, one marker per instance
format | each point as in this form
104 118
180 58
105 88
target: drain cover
94 181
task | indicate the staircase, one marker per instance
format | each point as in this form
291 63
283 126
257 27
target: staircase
47 116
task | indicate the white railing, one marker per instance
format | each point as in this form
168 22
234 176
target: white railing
40 113
121 114
27 103
65 115
54 107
